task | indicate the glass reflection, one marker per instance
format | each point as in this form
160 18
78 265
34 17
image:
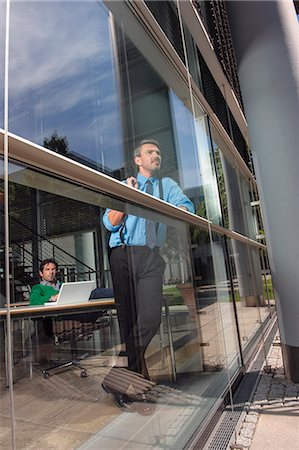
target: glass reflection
248 210
267 279
5 405
252 308
188 161
218 155
63 81
206 158
2 47
100 101
234 205
214 297
189 356
258 225
167 17
2 241
238 197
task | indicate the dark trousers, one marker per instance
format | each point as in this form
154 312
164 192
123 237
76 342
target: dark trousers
137 281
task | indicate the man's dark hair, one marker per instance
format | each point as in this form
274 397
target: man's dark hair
145 141
47 261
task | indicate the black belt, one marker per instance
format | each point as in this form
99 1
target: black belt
139 248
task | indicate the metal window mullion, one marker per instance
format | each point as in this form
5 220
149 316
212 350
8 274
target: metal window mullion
8 337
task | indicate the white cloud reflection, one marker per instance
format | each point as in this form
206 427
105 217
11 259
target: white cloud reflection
53 40
62 75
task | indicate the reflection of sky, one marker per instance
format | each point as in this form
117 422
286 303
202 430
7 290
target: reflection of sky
186 148
12 168
62 78
193 154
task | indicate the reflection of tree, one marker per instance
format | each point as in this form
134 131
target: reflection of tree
221 187
199 236
176 249
58 144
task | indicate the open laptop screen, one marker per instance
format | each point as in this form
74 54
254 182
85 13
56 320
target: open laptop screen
72 293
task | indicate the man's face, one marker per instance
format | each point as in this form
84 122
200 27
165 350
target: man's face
149 158
49 272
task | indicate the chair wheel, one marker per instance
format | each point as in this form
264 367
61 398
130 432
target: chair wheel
46 375
83 374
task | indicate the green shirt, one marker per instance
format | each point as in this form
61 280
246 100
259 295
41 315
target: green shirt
41 294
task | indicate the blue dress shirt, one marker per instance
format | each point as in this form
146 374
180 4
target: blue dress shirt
132 229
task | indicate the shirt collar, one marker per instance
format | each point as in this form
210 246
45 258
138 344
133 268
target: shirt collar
47 283
142 180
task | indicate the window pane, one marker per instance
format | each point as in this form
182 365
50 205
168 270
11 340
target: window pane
188 159
267 280
194 344
248 211
251 304
101 101
2 47
5 405
166 15
63 81
239 213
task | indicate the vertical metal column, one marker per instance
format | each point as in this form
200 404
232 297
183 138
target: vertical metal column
266 36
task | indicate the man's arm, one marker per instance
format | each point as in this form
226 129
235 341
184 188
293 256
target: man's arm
112 218
176 197
40 294
115 217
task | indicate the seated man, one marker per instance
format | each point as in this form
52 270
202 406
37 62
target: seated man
47 290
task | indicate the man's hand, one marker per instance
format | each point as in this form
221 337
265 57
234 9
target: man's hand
54 298
116 217
132 182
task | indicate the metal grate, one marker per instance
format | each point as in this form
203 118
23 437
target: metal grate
224 431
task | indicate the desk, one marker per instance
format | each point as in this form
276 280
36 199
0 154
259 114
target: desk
17 311
31 311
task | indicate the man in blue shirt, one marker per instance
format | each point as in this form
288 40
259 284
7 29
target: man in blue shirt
136 265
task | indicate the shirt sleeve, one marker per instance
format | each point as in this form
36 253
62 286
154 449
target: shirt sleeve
107 223
176 197
39 296
106 220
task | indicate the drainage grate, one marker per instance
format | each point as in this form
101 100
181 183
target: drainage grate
224 430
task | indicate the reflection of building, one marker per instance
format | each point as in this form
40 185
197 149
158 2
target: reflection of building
196 195
117 173
129 71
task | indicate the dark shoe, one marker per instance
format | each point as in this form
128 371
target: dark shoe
123 401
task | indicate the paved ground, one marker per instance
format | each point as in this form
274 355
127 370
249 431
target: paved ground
272 421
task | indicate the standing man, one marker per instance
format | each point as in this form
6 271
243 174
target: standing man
136 265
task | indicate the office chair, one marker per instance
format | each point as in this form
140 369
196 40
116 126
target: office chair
77 327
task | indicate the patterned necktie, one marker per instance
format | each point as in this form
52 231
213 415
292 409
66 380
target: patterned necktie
150 226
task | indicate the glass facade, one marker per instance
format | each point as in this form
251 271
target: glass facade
87 83
2 46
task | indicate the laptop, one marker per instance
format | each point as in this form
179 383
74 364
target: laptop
73 293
